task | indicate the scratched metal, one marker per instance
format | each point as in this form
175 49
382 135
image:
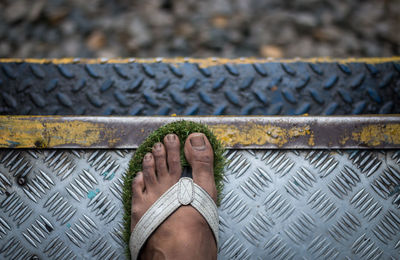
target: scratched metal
277 204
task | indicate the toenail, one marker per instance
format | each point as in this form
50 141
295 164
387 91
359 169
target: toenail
171 137
197 142
157 146
147 157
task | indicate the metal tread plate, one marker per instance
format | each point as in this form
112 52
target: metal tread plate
277 204
199 87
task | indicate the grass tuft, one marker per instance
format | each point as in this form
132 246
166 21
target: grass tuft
182 129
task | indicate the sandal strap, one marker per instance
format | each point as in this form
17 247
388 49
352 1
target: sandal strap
184 192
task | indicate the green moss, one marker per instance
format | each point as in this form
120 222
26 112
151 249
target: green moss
182 129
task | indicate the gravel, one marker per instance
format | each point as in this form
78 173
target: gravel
224 28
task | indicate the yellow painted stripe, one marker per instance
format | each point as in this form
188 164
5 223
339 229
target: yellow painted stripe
206 62
243 132
374 135
28 132
256 134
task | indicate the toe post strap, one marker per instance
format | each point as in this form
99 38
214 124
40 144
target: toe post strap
184 192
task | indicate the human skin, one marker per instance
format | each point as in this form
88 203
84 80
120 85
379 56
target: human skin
185 234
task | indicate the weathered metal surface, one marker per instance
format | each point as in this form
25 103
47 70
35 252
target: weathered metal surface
277 204
311 205
238 132
61 204
202 62
199 86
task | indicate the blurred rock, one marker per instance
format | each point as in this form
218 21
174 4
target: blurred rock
271 51
36 10
221 7
71 46
5 49
96 40
328 33
56 15
220 21
25 50
285 34
303 45
15 11
68 27
305 19
139 32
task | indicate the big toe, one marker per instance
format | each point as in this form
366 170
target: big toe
198 151
200 155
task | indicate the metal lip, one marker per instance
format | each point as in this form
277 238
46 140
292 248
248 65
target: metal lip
202 62
238 132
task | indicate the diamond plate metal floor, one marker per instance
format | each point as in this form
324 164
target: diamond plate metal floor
199 87
283 204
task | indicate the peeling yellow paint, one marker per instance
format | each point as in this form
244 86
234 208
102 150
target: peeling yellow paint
23 133
253 134
203 63
311 140
39 132
344 140
373 135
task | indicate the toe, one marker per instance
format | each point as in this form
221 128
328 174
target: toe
172 145
137 192
160 160
198 149
149 173
200 155
138 185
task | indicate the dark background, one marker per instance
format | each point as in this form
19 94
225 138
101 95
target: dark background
199 28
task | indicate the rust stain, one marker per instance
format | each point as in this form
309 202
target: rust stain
203 63
32 132
374 135
254 134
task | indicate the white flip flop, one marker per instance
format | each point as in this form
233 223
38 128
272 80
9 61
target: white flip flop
184 192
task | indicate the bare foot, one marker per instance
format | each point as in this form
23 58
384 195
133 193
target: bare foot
185 234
